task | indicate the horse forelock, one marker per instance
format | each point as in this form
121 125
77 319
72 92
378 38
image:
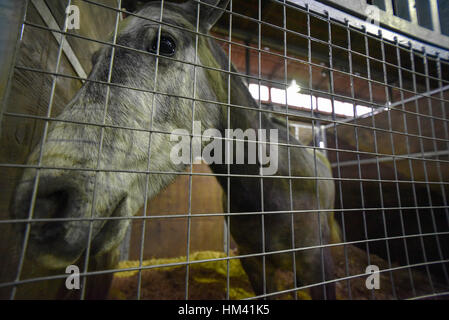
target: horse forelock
172 13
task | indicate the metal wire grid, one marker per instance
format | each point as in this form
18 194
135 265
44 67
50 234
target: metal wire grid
315 119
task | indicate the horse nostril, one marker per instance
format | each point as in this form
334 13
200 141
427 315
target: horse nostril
48 231
51 206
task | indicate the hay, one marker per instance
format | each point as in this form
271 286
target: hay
208 280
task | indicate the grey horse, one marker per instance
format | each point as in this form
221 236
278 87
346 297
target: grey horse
105 168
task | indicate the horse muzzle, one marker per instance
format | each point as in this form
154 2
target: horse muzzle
56 212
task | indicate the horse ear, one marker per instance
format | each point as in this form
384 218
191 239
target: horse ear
208 15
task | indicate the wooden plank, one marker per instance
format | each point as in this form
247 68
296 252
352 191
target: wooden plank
167 237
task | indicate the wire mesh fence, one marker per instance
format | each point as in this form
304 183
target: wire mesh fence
221 150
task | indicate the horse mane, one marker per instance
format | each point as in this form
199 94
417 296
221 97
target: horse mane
240 95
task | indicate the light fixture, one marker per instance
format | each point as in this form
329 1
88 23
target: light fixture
294 88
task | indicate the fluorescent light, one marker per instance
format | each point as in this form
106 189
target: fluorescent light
278 95
294 87
254 90
296 99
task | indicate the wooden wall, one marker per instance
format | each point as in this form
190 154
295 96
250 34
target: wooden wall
167 237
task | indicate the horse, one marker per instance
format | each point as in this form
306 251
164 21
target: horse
108 151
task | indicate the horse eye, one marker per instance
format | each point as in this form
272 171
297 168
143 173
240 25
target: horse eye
166 48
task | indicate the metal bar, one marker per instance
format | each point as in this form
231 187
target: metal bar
236 106
319 13
389 7
440 176
320 92
100 150
337 156
359 169
288 113
391 106
240 44
387 245
290 187
12 18
9 48
256 176
415 199
408 31
446 130
292 112
412 10
259 70
147 177
435 16
256 21
416 156
191 156
347 278
177 264
348 210
434 295
41 151
228 166
427 94
315 168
